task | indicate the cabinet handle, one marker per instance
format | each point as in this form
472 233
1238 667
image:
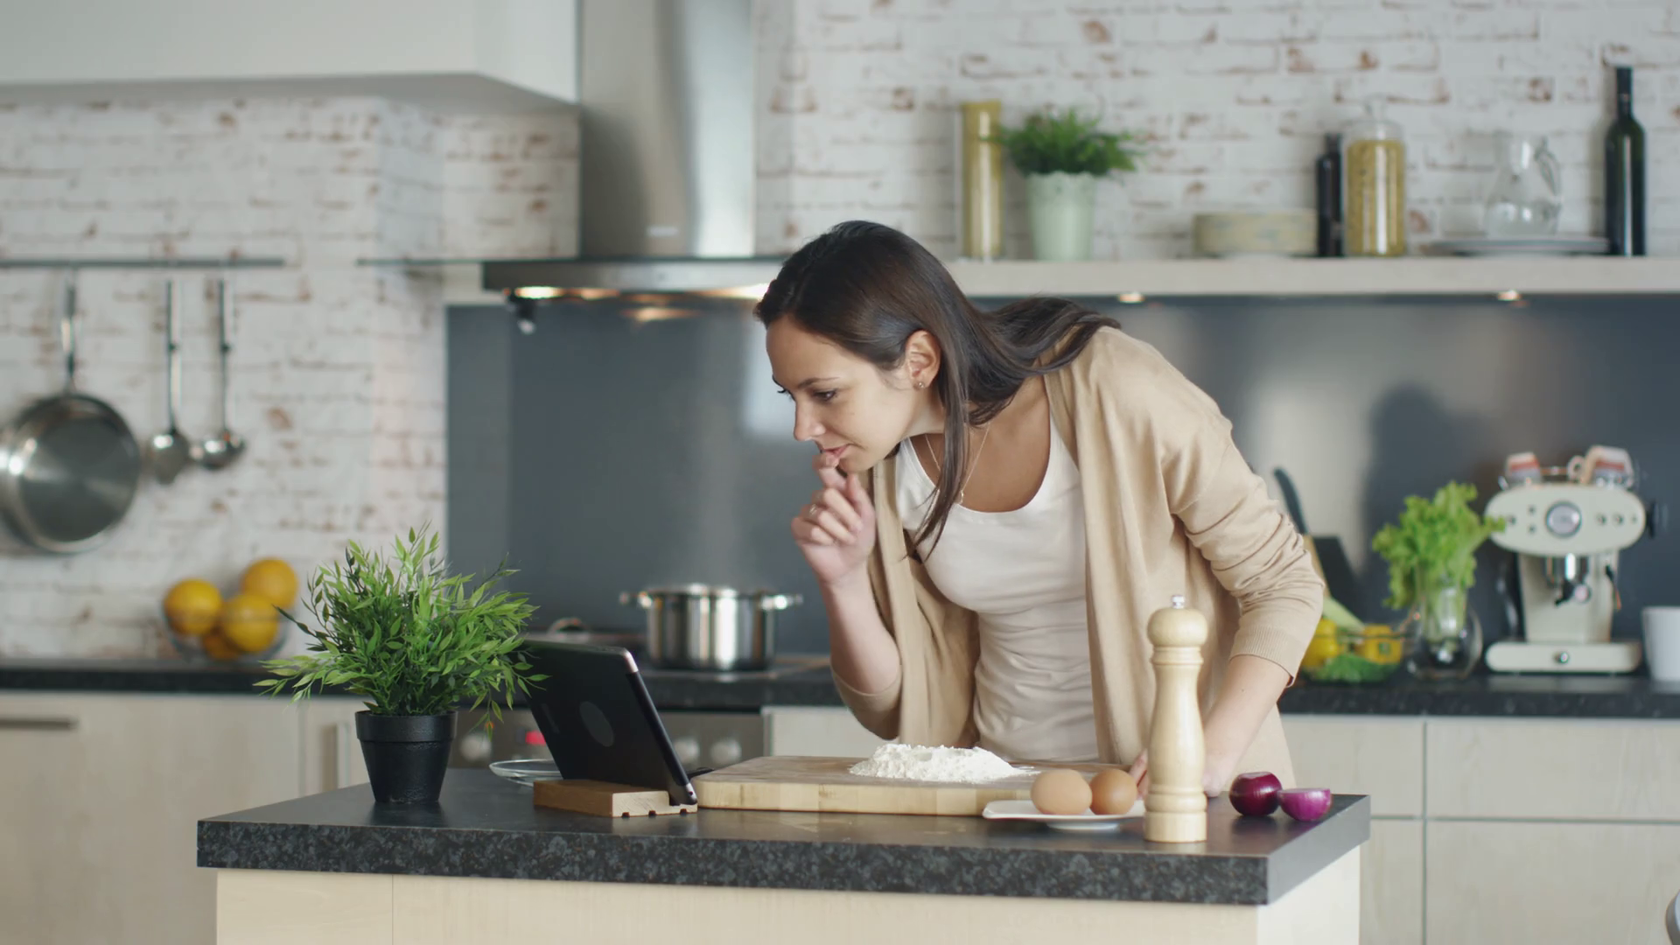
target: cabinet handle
20 723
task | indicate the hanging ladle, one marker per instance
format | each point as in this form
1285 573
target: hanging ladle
171 450
221 450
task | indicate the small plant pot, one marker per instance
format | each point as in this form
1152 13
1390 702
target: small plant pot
407 755
1060 208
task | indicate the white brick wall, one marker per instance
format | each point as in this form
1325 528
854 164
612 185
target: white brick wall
1235 94
339 369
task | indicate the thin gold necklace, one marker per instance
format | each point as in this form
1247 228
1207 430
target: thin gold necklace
973 463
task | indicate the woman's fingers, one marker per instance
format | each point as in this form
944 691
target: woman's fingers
825 518
836 504
807 532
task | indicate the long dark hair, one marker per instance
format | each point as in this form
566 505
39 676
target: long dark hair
868 288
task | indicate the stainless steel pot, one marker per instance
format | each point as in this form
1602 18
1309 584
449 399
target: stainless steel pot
700 626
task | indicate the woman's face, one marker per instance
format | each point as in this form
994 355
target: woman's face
842 403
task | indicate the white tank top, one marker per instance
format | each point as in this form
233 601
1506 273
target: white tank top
1023 574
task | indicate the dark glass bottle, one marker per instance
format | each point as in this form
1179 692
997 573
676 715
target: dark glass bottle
1624 174
1327 171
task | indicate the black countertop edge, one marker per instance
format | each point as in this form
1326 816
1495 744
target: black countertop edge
487 828
1514 696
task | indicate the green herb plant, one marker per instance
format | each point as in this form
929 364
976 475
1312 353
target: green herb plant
407 637
1048 142
1433 545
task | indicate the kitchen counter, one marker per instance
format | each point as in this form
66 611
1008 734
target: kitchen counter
805 681
486 847
487 827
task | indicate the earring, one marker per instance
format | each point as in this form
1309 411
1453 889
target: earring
920 384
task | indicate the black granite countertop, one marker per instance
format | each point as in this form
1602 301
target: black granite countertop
487 827
805 681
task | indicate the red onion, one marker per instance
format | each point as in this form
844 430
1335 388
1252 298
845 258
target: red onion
1255 794
1306 803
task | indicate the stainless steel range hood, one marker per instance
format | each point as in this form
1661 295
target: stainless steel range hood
667 175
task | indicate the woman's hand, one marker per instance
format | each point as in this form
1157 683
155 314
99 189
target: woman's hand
1217 771
836 531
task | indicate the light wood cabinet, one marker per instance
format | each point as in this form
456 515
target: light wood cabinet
1550 882
1372 755
332 756
100 796
1391 884
817 730
1555 769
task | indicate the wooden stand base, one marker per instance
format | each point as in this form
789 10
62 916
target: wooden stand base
605 800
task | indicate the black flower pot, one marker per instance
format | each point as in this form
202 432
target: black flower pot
406 755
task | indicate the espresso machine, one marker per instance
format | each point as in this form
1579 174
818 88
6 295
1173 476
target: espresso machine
1566 527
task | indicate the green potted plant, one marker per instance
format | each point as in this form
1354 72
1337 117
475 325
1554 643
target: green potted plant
1062 156
417 645
1431 555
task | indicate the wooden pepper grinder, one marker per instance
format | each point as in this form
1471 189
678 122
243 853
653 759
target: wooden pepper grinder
1175 808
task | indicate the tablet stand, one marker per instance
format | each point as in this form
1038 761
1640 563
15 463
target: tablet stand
605 800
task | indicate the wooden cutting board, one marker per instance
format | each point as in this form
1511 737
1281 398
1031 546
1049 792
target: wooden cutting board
825 784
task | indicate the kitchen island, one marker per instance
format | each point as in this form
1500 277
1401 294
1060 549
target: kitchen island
486 866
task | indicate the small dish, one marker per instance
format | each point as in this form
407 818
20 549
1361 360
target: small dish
1024 810
526 770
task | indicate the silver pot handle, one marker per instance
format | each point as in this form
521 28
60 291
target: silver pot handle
641 599
780 601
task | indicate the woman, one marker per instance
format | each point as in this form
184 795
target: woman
1006 498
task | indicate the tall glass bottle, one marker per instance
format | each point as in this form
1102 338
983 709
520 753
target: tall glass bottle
980 181
1374 186
1624 174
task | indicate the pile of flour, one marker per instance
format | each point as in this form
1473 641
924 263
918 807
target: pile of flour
952 765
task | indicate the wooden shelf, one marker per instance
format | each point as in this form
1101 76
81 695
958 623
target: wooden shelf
1408 276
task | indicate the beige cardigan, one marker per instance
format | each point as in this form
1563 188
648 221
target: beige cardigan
1170 508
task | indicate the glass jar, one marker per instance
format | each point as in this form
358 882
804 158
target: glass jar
1526 197
1373 186
1443 637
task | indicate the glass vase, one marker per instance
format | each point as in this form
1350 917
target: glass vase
1442 633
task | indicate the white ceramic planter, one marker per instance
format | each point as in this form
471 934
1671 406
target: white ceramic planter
1059 210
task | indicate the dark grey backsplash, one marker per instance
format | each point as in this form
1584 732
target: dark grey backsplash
604 454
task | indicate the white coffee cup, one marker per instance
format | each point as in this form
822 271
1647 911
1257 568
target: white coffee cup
1662 642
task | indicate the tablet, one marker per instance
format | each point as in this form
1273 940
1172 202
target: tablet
599 723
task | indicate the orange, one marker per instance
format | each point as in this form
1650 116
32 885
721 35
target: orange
217 647
271 579
191 607
249 622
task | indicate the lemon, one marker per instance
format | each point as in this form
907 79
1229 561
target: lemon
191 607
249 622
217 647
1324 645
271 579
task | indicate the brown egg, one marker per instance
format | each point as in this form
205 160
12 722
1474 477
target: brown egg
1061 791
1113 792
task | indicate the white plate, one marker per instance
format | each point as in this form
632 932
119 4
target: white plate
1024 810
526 770
1536 246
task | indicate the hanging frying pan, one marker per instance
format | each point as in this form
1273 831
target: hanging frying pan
69 465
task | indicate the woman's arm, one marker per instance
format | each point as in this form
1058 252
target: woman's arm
1252 686
861 651
836 534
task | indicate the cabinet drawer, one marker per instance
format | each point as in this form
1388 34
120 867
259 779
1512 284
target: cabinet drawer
1550 882
1564 769
1381 757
